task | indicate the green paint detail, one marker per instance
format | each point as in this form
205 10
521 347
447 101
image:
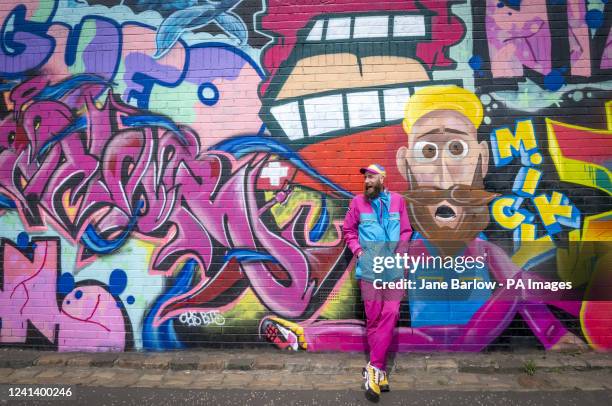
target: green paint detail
43 12
462 51
177 102
603 181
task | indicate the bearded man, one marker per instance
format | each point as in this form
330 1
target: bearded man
374 224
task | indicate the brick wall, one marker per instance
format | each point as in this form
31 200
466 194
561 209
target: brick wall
177 176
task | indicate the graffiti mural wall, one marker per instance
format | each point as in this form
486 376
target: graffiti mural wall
176 174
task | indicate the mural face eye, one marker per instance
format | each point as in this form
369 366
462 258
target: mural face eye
425 151
458 149
11 138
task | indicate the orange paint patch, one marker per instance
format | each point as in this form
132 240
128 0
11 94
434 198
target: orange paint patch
598 230
10 106
71 211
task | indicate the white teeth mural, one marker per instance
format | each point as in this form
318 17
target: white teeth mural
409 26
288 117
395 100
338 28
317 31
363 108
404 26
324 114
371 27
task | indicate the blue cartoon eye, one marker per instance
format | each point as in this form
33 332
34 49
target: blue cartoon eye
208 94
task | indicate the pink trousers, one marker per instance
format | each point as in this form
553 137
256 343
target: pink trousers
382 312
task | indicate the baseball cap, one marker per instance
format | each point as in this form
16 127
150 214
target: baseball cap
373 168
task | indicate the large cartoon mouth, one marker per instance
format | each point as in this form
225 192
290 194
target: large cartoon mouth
347 74
445 213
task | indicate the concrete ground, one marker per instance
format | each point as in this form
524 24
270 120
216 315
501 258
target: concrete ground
87 395
572 378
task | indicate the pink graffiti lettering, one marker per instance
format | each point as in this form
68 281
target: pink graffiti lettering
88 319
124 171
518 38
522 38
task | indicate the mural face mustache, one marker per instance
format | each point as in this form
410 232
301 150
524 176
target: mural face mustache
458 195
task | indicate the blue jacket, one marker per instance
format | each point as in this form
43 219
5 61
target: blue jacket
384 219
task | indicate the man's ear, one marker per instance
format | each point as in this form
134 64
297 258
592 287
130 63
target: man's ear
401 163
484 153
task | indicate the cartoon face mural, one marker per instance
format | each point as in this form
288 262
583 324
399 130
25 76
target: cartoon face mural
177 174
445 163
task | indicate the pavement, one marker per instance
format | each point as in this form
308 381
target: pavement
268 370
87 395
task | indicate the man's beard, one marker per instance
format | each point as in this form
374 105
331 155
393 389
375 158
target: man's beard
473 219
374 192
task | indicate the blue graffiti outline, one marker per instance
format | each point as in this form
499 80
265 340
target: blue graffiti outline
23 25
243 255
71 51
154 120
6 202
61 89
322 223
239 146
79 124
208 101
573 221
164 336
519 181
95 243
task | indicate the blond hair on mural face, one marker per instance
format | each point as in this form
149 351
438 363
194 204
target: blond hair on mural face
433 98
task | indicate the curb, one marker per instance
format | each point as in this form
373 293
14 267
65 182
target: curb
491 363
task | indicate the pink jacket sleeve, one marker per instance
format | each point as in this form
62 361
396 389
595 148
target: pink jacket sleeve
405 229
350 228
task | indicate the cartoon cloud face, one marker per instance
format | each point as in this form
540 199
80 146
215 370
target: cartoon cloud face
91 320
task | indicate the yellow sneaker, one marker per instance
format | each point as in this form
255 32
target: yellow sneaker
384 382
371 376
283 333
